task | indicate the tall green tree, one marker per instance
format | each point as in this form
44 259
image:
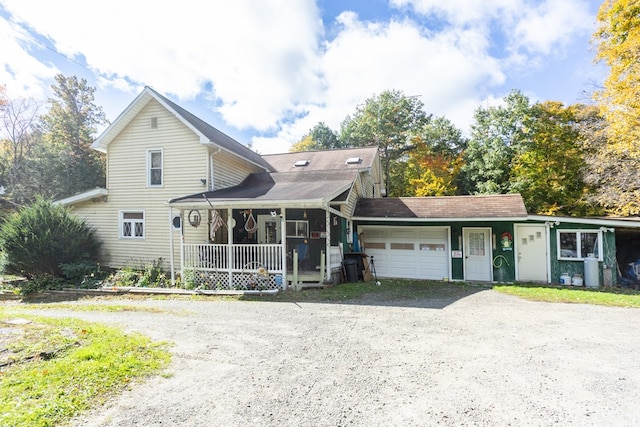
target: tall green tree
321 137
387 121
549 163
433 166
495 136
65 160
617 42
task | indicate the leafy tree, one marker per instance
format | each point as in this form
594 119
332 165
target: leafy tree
321 137
37 239
387 121
548 164
433 166
617 41
495 136
65 159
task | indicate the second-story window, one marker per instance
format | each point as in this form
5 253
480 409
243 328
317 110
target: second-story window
154 173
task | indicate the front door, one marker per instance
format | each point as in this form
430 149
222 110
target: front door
531 244
477 254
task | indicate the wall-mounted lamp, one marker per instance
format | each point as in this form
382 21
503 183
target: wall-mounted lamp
203 181
610 230
551 224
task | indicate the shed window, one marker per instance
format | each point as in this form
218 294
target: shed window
578 244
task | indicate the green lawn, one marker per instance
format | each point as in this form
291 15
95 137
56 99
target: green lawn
52 369
614 297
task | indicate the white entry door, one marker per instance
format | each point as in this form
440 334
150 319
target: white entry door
531 247
477 254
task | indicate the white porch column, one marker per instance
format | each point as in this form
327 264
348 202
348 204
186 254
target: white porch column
173 271
229 245
327 249
283 241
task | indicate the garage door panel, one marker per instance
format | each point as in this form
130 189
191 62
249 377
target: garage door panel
412 253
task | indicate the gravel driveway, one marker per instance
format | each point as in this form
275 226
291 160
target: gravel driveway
485 359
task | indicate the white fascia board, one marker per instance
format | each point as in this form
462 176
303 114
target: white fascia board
250 203
591 221
109 134
494 219
81 197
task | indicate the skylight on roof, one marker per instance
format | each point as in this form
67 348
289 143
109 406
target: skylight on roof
301 163
354 160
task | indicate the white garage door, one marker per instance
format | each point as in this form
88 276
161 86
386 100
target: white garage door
408 252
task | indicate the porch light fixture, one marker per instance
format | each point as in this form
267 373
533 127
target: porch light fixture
304 215
203 181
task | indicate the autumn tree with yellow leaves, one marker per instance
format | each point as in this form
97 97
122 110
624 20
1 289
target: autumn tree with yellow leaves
614 170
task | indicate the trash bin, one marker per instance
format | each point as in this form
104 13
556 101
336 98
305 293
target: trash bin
351 270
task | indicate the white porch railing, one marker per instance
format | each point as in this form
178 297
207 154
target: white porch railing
335 257
209 266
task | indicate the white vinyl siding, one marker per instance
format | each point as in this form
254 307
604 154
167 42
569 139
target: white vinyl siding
229 171
185 163
154 168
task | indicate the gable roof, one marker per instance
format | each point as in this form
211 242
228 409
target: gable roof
481 207
207 133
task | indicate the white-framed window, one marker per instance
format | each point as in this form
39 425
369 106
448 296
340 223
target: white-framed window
298 229
576 245
132 224
155 175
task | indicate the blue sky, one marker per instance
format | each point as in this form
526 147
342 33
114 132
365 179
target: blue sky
265 72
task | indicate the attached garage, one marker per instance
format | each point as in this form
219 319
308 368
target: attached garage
408 252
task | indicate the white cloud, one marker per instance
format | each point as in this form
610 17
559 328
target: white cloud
550 26
259 56
22 73
267 66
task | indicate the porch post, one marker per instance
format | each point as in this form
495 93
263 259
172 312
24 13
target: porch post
181 248
283 243
173 272
327 241
229 245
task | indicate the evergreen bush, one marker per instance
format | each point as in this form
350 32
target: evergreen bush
39 239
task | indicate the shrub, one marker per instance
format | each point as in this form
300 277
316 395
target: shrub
86 274
40 238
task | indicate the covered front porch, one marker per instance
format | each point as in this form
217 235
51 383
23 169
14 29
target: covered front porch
258 248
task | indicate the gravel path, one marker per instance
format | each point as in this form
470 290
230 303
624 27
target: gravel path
486 359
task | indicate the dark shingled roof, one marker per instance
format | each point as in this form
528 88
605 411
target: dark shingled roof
322 160
445 207
214 135
286 186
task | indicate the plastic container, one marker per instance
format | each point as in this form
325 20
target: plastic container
591 272
565 279
576 280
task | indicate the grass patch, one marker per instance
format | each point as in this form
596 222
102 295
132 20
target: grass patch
612 297
389 290
52 369
110 308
